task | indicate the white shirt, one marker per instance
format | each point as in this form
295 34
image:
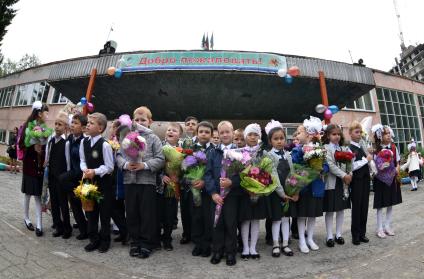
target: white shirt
56 139
107 157
225 147
360 163
68 153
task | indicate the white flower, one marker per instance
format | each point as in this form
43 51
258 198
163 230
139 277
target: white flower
125 143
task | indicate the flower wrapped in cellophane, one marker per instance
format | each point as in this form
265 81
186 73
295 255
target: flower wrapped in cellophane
194 168
173 159
88 193
133 146
257 180
386 167
37 133
234 161
344 158
314 156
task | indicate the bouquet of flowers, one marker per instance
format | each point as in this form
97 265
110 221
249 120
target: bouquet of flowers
386 167
234 162
37 133
88 193
194 167
314 156
133 146
173 157
257 180
114 144
345 158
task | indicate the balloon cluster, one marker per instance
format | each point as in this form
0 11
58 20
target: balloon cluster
116 72
289 75
328 111
83 102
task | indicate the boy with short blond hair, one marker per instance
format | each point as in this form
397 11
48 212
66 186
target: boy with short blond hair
96 157
140 187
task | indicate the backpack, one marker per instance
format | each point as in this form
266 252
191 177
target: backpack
19 150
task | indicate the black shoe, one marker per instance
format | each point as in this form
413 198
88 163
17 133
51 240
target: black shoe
255 256
330 242
340 240
104 246
75 226
38 232
57 233
269 242
355 241
276 251
245 257
231 260
122 238
295 235
184 240
287 251
67 235
167 246
216 258
134 251
115 232
144 253
206 252
29 226
90 247
82 236
196 251
364 239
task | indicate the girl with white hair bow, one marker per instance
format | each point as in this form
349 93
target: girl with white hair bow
413 165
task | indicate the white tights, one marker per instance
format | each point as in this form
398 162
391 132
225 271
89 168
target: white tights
329 223
38 214
388 220
254 235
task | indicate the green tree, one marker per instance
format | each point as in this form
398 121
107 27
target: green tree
6 15
27 61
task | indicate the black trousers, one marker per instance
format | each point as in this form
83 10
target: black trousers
102 210
185 205
140 207
78 213
224 236
359 195
59 205
167 208
202 222
118 216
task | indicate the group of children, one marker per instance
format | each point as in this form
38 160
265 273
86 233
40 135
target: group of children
135 193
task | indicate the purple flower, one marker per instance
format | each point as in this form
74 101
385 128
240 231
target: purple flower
200 156
188 162
255 170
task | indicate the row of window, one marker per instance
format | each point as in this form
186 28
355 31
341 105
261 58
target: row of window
27 94
363 103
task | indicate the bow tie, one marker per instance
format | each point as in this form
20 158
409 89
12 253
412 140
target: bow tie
278 153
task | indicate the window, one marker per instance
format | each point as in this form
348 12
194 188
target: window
29 93
6 96
3 134
399 111
58 98
363 103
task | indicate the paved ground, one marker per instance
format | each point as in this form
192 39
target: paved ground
23 255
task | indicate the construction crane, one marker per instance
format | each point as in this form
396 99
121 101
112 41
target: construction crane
402 41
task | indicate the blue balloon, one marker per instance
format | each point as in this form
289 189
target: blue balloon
289 79
118 73
83 101
334 109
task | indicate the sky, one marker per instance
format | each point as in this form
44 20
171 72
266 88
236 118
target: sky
58 29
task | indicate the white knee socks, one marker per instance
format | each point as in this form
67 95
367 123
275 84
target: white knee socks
38 212
388 222
254 235
26 208
301 228
379 219
245 227
414 182
310 230
285 227
339 223
329 224
276 232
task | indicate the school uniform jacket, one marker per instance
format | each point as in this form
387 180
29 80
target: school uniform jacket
335 170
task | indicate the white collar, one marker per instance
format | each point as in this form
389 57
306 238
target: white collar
277 151
334 146
93 140
57 138
355 144
225 147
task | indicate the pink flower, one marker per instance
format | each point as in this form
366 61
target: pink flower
255 170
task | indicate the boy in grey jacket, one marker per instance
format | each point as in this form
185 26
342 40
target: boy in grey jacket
140 187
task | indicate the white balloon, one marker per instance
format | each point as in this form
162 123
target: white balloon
79 104
320 108
282 72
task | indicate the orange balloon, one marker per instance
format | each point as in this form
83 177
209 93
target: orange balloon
294 71
111 71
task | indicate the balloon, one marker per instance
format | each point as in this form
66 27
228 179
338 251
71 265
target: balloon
320 108
282 72
294 71
111 71
334 109
289 79
118 73
79 104
90 107
83 100
328 114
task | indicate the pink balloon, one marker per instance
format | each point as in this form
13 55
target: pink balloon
90 107
328 114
